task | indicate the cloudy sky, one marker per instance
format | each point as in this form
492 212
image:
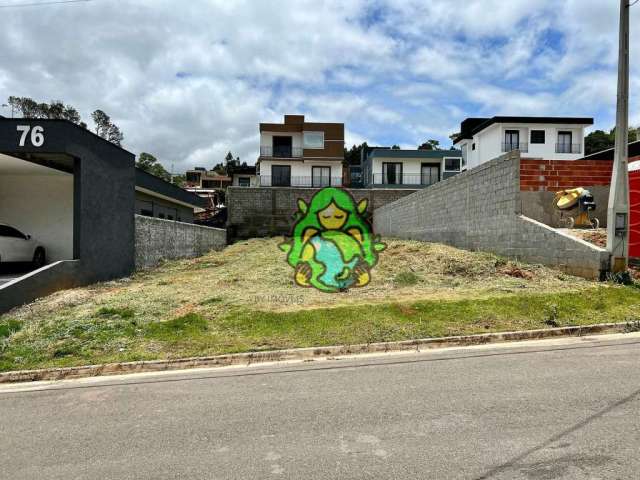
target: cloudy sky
190 80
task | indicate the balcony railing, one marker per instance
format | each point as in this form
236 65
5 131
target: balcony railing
511 146
303 181
407 180
568 148
281 152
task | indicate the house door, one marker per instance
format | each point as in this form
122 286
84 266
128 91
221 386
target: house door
564 142
392 173
282 147
429 174
280 175
320 176
511 140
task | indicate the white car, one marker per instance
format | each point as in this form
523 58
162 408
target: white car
16 246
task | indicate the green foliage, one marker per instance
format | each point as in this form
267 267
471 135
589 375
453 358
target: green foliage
106 129
8 327
406 279
352 156
124 313
56 109
171 330
430 145
599 140
150 164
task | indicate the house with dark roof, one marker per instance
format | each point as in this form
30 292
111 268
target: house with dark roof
396 168
545 138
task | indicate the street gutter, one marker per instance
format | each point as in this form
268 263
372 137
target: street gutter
307 354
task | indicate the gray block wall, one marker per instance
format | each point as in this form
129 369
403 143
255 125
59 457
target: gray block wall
158 239
480 209
265 212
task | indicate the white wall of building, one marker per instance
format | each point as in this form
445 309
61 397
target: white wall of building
301 169
41 206
411 167
253 179
266 138
488 142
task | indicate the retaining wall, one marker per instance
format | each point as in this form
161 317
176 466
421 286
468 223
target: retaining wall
158 239
40 283
265 212
480 209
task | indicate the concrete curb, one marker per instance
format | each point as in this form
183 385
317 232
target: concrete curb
303 353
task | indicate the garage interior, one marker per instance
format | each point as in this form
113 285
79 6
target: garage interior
38 201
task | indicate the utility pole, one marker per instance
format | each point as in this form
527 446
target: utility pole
618 209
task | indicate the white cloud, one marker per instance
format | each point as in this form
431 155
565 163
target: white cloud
395 71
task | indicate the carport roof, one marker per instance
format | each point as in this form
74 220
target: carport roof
151 184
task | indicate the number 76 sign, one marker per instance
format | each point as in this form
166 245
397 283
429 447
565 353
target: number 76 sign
36 137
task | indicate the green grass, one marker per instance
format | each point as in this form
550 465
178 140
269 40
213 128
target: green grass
117 335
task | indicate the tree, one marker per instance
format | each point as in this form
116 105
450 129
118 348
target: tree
599 140
56 109
430 145
106 129
352 156
395 147
150 164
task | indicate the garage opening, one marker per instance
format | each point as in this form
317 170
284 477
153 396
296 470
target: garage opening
36 214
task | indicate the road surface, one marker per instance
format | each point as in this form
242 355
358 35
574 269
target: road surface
556 409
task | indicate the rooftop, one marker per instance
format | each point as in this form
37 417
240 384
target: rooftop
473 125
397 153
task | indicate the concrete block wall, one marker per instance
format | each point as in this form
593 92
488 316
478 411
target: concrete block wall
264 212
480 209
158 239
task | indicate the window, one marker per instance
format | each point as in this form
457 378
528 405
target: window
280 175
511 140
464 155
391 173
145 212
564 142
161 215
473 146
320 176
244 181
193 177
537 136
6 231
429 174
313 139
451 164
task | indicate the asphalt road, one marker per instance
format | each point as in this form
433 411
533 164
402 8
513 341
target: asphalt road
561 409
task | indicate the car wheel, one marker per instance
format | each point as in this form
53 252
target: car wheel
39 258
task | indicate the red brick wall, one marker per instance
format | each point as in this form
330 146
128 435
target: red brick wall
554 175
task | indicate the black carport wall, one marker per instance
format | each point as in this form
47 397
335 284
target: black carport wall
104 191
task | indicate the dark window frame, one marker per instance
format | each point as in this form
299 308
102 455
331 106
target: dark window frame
537 139
286 183
398 173
313 177
431 165
459 169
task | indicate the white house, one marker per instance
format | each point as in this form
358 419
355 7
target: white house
300 154
395 168
548 138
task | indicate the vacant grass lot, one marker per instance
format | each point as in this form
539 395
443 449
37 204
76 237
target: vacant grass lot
244 299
